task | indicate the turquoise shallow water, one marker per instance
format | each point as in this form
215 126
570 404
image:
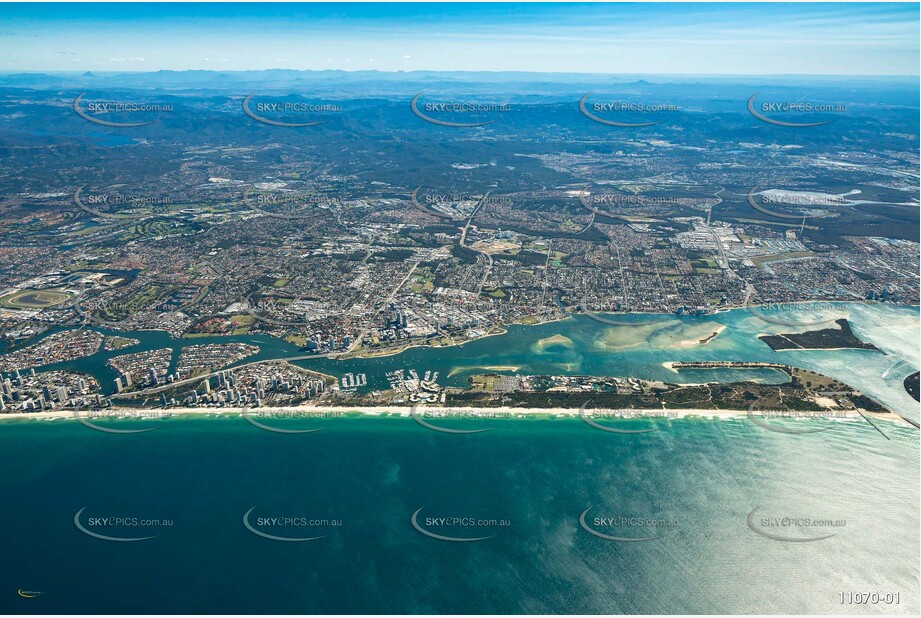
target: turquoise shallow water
703 478
371 474
582 346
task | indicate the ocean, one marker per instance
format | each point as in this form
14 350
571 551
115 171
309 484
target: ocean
537 515
705 492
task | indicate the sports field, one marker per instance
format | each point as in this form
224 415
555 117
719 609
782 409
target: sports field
34 299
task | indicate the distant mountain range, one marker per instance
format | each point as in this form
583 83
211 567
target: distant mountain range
403 82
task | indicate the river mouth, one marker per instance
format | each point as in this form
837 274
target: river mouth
581 346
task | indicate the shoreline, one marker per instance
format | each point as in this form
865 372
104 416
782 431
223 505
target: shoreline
448 412
386 353
503 329
568 315
308 362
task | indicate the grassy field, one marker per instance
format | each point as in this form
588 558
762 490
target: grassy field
758 261
242 324
34 299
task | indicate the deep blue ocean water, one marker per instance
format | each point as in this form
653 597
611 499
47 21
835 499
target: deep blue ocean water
699 479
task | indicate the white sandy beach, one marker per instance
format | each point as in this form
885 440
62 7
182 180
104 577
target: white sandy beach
445 412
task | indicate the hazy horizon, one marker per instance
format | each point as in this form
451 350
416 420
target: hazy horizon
834 39
639 76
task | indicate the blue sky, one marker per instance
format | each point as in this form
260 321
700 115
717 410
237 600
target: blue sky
724 38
